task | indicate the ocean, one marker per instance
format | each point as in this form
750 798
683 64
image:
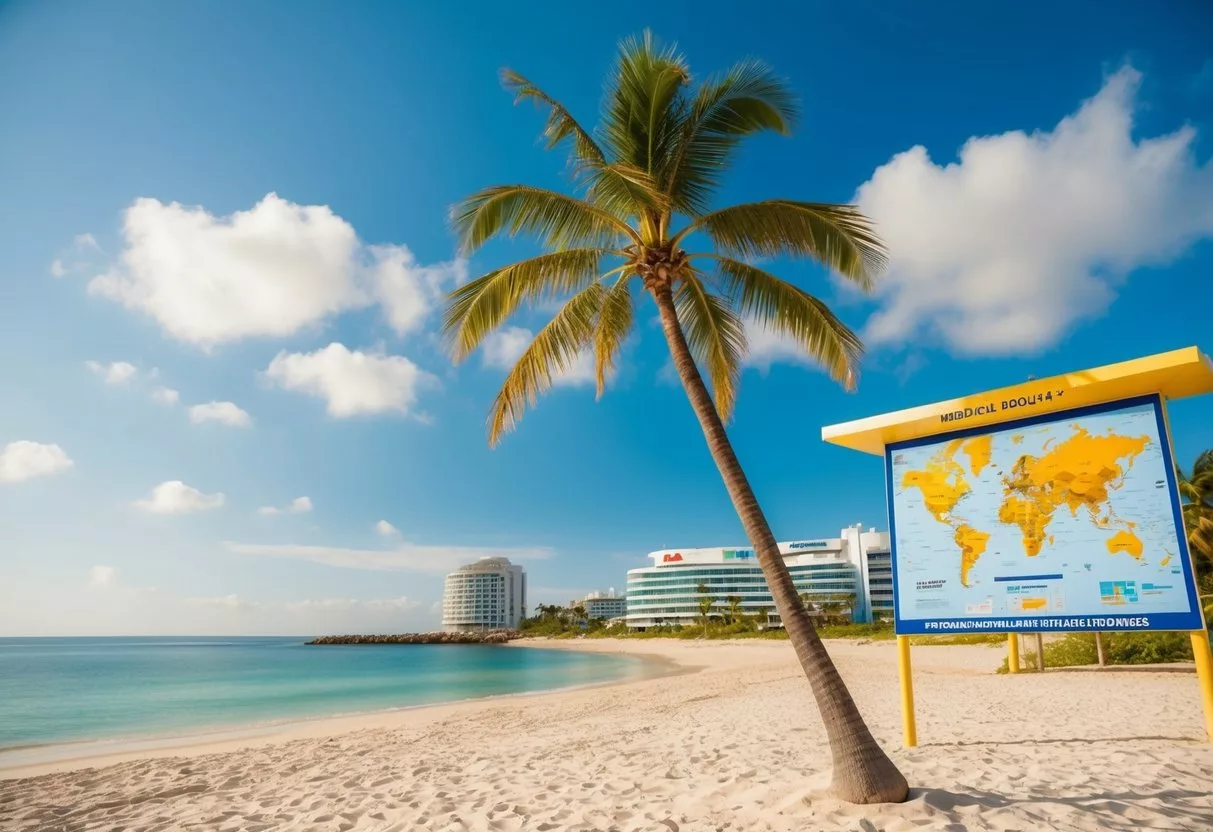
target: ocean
55 690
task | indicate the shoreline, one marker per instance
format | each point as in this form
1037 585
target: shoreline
32 760
729 739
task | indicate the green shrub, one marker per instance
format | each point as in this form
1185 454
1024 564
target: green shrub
1076 649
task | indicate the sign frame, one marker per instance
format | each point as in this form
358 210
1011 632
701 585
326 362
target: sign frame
1112 622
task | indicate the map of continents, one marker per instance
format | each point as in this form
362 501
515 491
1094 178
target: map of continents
1075 470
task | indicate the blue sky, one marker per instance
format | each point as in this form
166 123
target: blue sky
1043 181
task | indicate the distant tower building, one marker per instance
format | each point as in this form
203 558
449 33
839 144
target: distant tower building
605 605
489 594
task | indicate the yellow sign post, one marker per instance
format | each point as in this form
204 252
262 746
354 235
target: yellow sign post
1034 448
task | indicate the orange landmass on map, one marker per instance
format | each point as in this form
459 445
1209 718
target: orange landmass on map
1126 541
972 545
941 482
1031 519
1077 473
978 450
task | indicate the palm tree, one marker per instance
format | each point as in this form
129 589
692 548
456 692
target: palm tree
644 182
1196 491
706 600
734 602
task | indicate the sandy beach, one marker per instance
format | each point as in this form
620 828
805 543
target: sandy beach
731 741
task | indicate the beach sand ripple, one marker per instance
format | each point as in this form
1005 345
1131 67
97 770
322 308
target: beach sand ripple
735 745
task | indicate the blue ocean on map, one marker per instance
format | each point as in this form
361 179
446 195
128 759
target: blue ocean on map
65 689
1068 517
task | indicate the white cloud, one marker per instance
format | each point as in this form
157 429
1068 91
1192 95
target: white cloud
175 497
102 576
43 610
227 602
502 349
409 291
1004 250
299 505
352 382
225 413
346 604
165 395
405 557
118 372
386 529
77 256
24 460
269 271
767 347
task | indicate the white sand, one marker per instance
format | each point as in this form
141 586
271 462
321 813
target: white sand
735 745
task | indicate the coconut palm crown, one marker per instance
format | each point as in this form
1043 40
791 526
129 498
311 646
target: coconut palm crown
644 183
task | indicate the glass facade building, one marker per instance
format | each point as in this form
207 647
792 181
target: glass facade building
856 563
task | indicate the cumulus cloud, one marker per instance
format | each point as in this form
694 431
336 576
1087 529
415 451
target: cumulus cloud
102 576
271 270
407 290
165 395
502 349
299 505
350 381
1003 250
405 557
225 413
386 529
117 372
175 497
24 460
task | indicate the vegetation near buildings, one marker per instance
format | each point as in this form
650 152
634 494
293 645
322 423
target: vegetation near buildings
1196 493
1076 649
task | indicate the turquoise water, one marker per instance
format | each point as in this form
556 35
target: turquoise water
65 689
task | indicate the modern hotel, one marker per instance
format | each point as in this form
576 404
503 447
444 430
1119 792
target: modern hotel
489 594
856 561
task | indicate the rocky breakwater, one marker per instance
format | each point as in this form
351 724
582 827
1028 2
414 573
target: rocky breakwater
486 637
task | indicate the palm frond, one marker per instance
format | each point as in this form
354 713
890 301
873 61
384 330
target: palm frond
783 308
747 99
645 103
618 188
481 305
716 337
557 220
612 327
838 236
560 125
554 350
622 190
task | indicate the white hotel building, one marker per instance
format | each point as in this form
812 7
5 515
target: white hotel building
856 561
489 594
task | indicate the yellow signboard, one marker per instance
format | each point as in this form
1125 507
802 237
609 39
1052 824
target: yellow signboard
1173 375
908 434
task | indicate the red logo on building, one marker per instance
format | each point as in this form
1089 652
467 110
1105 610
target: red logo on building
677 556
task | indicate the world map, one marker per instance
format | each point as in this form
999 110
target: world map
1078 473
1046 518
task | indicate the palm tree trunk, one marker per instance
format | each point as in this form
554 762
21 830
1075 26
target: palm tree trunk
863 773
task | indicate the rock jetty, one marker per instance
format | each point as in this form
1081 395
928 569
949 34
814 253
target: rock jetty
486 637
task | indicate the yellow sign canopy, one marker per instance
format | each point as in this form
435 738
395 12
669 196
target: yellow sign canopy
1173 375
